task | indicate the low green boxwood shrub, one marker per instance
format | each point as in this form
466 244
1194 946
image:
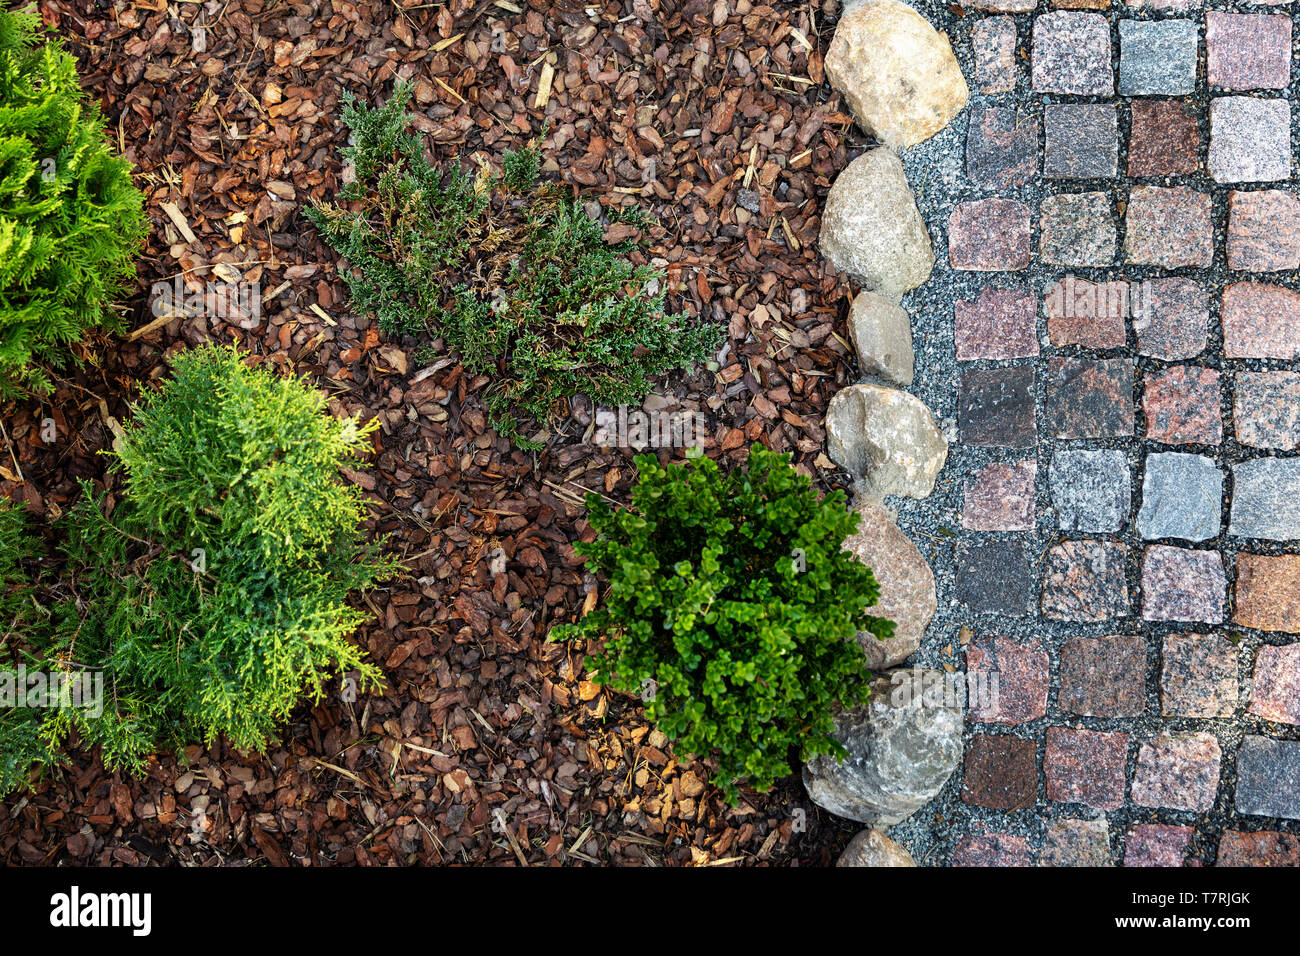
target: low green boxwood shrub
71 221
731 600
511 275
212 595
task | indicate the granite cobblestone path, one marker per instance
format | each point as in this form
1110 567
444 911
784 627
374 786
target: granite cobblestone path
1121 249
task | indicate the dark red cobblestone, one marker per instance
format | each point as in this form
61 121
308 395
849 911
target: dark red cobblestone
1001 772
1164 140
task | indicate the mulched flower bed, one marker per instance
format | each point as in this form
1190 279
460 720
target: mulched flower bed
489 745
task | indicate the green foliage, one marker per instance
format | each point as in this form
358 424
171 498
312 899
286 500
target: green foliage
213 596
748 653
71 220
21 745
511 275
521 169
17 545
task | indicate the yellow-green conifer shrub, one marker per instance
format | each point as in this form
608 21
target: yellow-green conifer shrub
213 595
71 220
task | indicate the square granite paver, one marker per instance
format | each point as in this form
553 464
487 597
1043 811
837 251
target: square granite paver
1183 585
1164 138
1266 595
1002 147
1090 489
1250 139
1266 499
1182 407
1268 777
992 849
1072 54
1081 140
1089 398
1157 844
1250 51
995 407
993 578
1266 409
1181 497
999 324
1198 676
1077 229
1261 848
1260 320
993 41
1019 672
1076 843
1103 676
1085 766
1001 773
1263 230
1001 497
1085 581
1171 317
1178 771
1275 693
1090 314
1168 227
1157 57
989 235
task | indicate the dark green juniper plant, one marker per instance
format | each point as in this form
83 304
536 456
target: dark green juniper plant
731 596
71 221
17 546
511 275
21 744
213 595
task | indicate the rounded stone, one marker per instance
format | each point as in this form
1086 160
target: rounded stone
873 848
907 595
882 337
902 745
871 228
896 72
887 438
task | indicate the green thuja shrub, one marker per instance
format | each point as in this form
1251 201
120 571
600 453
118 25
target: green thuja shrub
732 594
509 273
213 595
71 221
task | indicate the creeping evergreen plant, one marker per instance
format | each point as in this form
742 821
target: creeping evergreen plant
70 218
17 546
213 595
21 743
511 275
731 592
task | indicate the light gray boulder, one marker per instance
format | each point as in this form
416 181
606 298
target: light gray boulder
903 746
